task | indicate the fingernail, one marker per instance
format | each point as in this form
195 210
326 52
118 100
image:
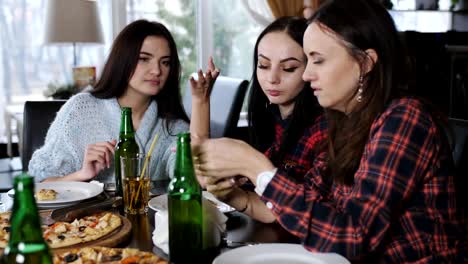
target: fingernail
232 180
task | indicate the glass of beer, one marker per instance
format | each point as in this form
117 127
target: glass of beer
135 182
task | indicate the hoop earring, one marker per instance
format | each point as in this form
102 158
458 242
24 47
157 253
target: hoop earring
360 90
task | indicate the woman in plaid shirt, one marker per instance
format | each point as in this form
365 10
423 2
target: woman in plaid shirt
283 114
384 189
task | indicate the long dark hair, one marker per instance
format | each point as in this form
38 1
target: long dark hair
122 62
361 25
260 117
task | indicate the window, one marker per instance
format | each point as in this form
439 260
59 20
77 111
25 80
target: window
420 4
234 37
229 33
27 66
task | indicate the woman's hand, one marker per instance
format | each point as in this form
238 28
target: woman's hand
97 157
201 88
221 189
225 157
201 91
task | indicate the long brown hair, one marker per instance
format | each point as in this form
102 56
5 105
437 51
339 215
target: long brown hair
122 62
361 25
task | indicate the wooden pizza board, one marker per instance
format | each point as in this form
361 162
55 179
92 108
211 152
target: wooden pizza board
112 239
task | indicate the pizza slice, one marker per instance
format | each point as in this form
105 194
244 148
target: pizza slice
108 256
46 195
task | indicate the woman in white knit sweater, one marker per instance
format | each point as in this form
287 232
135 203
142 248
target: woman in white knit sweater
141 72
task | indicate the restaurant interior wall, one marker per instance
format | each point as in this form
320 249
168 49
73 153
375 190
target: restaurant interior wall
440 61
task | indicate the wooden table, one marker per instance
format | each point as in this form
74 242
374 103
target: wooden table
240 228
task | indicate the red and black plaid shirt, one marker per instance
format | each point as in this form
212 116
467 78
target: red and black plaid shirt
401 207
301 157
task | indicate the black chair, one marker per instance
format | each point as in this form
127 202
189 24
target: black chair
37 117
226 101
458 139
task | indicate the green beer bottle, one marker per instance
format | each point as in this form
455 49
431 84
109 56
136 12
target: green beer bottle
126 146
26 243
185 207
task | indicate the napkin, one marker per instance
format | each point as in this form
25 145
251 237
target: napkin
98 183
214 225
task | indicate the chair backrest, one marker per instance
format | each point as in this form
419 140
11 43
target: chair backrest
226 101
458 138
37 117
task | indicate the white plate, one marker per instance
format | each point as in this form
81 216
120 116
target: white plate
276 254
159 203
68 193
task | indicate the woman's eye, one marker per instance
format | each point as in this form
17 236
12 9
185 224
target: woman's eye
145 59
317 61
260 66
291 69
166 63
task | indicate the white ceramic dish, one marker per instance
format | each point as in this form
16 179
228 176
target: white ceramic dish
68 193
160 203
277 254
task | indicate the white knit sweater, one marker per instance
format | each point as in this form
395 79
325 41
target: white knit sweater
84 120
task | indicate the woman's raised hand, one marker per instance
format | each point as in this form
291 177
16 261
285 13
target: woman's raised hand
201 88
97 157
201 91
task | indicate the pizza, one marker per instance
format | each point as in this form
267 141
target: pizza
91 255
46 195
4 229
63 234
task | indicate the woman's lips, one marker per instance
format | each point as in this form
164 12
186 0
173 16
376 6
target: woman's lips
316 91
273 92
154 82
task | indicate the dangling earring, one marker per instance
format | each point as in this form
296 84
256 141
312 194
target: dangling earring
359 91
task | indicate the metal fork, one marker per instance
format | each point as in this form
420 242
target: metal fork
236 244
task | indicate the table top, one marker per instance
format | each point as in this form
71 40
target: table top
240 228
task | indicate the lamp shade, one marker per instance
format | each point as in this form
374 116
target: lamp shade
72 21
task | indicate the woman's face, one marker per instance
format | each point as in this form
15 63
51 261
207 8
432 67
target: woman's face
153 67
280 65
332 72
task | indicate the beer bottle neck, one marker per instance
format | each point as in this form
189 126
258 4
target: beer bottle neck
184 163
126 124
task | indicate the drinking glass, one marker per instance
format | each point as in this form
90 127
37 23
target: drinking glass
135 183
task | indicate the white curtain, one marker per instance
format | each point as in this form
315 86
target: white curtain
259 11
